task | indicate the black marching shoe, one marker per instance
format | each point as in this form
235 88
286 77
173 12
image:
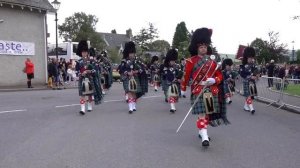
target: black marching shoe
166 100
172 111
89 111
205 143
230 102
130 112
134 109
81 112
252 112
155 90
183 96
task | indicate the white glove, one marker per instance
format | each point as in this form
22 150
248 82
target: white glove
211 81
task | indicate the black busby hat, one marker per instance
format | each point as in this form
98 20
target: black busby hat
200 36
154 58
82 46
129 48
248 52
172 55
227 61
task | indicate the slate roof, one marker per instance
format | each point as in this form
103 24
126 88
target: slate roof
115 40
39 4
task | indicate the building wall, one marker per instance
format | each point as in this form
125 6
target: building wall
22 26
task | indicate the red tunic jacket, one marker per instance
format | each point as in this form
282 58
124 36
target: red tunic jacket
206 71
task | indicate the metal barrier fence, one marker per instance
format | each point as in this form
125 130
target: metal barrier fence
282 92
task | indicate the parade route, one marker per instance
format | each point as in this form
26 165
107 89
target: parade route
48 132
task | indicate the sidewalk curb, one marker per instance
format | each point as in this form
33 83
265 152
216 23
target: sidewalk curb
286 108
31 89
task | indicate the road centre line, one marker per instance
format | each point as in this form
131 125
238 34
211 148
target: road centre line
12 111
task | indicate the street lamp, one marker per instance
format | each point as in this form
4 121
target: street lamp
293 52
56 5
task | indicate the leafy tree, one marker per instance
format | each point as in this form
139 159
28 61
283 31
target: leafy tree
114 55
114 31
159 45
298 56
81 26
146 37
181 40
181 35
271 49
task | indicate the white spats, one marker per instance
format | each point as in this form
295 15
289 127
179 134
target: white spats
82 107
134 106
203 134
89 106
246 107
130 105
173 106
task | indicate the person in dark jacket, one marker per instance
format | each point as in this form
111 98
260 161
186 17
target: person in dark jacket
270 71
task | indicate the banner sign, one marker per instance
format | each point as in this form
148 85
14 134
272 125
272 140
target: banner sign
16 48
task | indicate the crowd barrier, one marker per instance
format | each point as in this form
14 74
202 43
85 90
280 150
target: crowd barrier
282 92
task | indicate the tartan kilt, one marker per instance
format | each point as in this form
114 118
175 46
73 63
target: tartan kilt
165 85
199 107
226 88
80 86
246 88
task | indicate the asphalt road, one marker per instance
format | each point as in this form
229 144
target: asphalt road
42 129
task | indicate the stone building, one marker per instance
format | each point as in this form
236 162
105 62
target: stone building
23 33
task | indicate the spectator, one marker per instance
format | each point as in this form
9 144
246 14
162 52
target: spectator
270 70
53 71
29 70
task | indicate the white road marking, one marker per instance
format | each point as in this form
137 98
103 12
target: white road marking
106 101
12 111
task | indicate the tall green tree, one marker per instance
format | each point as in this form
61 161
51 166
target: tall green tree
181 35
181 40
298 56
81 26
114 31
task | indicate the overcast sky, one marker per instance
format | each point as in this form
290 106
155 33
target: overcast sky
233 22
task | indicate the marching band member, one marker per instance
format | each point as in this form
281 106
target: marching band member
249 73
206 77
229 78
154 71
106 68
88 85
172 75
131 70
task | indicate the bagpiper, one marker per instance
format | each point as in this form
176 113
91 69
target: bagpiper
229 77
249 73
154 72
171 75
88 84
132 72
106 68
206 77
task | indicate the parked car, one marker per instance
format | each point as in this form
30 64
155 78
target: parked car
115 73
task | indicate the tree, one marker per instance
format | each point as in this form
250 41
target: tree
146 37
298 56
81 26
114 31
181 35
271 49
160 45
114 55
181 40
